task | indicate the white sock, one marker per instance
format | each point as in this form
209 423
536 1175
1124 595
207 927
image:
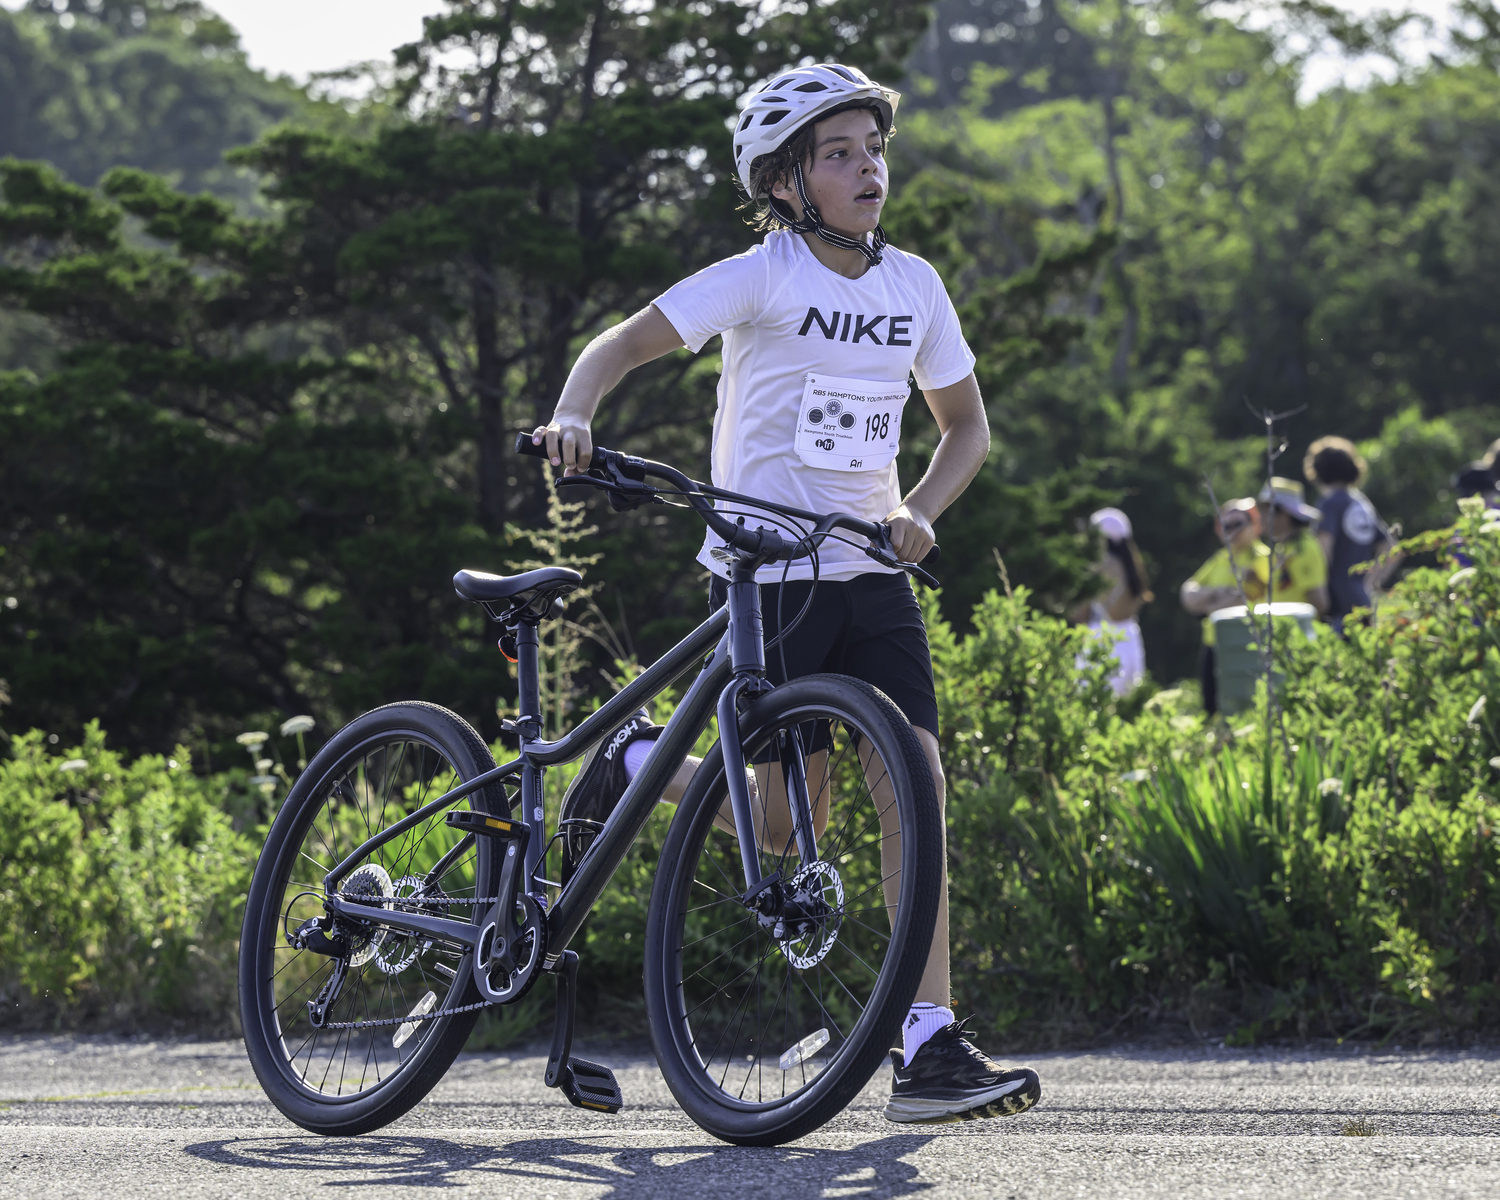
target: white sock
922 1022
635 756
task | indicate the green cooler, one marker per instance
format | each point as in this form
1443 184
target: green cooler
1237 664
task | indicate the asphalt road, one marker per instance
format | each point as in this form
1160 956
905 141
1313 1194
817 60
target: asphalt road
125 1118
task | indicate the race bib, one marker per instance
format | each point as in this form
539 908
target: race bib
850 424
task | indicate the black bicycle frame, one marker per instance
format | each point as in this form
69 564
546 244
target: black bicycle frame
736 665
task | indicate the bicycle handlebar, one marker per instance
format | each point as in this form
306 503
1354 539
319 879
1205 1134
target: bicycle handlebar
625 474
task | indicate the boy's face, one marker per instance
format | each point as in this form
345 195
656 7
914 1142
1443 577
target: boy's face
847 177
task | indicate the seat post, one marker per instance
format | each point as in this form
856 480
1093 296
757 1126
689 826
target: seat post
530 704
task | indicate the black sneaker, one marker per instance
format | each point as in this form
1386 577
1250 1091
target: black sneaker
951 1079
597 788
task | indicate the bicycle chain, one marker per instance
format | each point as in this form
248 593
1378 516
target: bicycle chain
415 1018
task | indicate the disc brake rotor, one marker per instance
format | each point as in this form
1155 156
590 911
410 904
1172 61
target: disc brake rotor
395 950
816 889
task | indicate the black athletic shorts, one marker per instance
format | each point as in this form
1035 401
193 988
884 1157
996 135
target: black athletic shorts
869 627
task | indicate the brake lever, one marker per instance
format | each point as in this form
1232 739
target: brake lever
887 559
624 491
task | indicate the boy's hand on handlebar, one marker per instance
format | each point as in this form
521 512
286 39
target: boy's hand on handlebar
569 444
911 534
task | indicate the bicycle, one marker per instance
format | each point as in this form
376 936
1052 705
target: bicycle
790 918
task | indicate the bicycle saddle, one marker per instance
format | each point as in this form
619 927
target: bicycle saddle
484 588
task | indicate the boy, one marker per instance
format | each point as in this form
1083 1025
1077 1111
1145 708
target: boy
822 297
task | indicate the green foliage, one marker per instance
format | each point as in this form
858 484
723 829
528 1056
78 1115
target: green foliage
159 84
1331 253
1111 865
121 886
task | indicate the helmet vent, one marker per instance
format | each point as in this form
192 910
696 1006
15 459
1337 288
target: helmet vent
773 118
841 71
745 123
814 86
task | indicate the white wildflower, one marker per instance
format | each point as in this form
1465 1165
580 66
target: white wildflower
1476 712
74 764
1135 776
296 725
252 739
1331 787
1495 762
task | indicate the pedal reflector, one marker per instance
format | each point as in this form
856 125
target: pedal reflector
408 1027
804 1049
590 1085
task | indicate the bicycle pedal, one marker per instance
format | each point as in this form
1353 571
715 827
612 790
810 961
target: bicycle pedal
484 824
590 1085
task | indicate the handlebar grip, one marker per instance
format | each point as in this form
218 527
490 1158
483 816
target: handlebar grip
525 446
932 556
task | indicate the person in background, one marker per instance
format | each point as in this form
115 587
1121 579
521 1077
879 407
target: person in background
1115 611
1349 530
1301 566
1478 479
1236 574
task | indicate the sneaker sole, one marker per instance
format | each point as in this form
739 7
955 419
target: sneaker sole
1009 1100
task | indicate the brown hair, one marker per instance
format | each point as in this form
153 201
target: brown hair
763 212
1334 460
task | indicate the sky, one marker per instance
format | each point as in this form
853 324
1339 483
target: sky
297 37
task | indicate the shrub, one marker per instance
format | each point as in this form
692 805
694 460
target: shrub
121 887
1333 870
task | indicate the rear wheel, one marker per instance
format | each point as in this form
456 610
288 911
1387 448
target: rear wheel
372 773
768 1020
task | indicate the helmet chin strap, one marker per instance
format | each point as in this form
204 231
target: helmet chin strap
812 222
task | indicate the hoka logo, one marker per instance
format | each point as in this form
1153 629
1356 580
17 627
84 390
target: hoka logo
619 740
837 327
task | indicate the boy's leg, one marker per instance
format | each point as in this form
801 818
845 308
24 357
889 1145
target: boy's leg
935 987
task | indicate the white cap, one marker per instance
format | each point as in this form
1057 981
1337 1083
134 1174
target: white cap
790 101
1112 523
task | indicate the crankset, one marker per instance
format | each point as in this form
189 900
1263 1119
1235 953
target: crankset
513 935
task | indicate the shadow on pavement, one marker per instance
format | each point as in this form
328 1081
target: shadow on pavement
873 1168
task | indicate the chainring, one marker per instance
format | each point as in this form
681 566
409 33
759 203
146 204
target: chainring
507 957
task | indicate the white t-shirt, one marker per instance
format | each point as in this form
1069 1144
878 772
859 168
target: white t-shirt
785 316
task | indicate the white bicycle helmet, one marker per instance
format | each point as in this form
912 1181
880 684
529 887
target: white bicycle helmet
788 103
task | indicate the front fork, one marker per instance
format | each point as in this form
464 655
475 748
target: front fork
748 660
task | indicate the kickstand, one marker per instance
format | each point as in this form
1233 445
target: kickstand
585 1084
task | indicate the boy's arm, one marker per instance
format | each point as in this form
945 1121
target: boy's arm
632 343
965 443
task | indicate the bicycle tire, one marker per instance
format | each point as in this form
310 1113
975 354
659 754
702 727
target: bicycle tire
265 958
678 1014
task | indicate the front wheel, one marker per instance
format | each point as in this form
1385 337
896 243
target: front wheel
769 1017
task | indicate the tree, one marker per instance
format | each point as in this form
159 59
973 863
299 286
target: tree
1327 253
160 84
265 434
